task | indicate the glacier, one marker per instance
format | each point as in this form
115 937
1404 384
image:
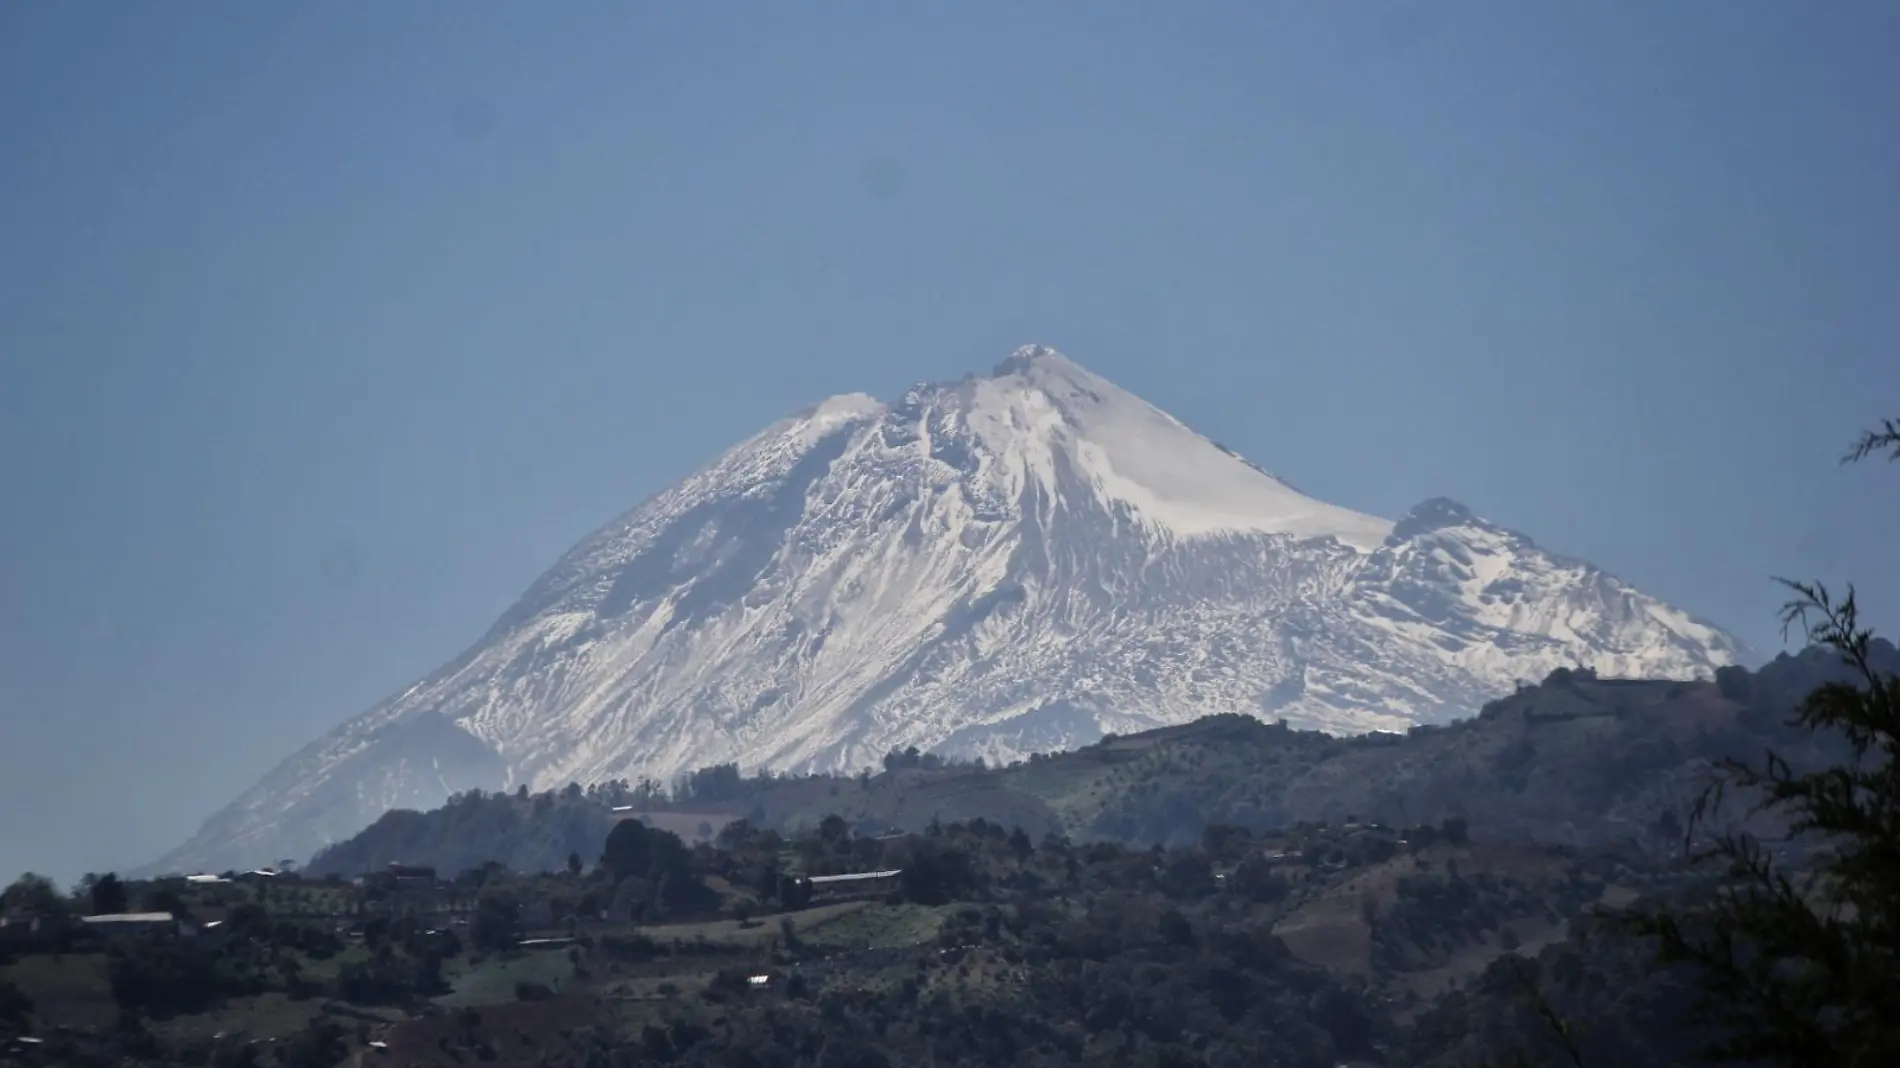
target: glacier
1011 563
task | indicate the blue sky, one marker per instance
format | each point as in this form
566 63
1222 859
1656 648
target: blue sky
324 328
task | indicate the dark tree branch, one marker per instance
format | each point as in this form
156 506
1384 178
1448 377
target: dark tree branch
1885 439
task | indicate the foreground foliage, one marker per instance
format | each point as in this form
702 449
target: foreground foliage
1802 968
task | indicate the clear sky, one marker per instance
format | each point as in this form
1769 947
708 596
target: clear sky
325 327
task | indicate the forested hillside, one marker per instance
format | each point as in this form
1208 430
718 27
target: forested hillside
1573 760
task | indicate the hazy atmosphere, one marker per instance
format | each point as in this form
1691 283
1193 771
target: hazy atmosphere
324 330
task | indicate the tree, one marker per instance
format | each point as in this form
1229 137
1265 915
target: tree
1732 682
163 977
793 893
32 893
630 849
318 1046
1804 970
833 829
291 968
16 1009
165 899
108 895
934 873
497 923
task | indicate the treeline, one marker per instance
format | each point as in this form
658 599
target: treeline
536 832
1576 760
518 831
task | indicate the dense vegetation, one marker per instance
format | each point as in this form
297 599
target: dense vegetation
1360 938
1307 947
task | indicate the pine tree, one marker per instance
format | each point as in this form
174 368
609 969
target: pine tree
1803 968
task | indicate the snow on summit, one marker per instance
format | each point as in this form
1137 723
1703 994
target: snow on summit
1006 564
1040 403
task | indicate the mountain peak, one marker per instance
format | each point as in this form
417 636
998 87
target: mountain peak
996 566
1434 513
1051 422
1028 357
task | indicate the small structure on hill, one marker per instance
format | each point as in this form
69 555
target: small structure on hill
399 876
141 923
852 884
411 874
852 877
128 919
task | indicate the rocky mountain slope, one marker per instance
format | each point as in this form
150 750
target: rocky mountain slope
1001 565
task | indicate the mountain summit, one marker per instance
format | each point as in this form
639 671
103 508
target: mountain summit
997 566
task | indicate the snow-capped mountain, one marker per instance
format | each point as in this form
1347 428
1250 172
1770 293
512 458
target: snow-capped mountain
1006 564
